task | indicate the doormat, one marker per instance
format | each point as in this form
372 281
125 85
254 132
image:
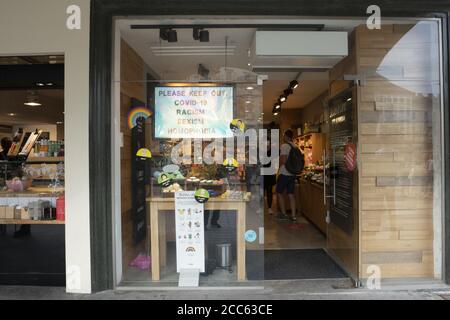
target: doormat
292 264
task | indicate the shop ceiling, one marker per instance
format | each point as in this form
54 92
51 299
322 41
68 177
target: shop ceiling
40 76
229 47
13 110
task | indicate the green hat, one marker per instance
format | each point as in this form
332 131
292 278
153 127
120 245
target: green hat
201 195
230 164
165 179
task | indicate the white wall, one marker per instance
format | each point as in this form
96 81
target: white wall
39 27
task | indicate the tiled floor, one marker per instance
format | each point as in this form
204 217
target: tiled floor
287 235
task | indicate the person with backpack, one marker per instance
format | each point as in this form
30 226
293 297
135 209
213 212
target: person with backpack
291 164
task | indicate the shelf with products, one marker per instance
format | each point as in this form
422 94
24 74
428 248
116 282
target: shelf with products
29 221
312 146
45 159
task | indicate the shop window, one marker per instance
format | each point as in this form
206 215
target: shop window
32 209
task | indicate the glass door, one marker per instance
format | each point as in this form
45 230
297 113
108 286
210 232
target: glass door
341 185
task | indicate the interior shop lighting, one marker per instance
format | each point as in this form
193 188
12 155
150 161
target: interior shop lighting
168 34
277 106
293 84
283 98
275 112
200 34
11 114
288 92
32 100
249 88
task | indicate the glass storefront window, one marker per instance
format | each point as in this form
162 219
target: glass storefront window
365 113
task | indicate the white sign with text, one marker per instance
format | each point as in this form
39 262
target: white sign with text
190 234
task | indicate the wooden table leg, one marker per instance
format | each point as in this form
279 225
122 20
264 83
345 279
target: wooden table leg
154 234
240 241
162 239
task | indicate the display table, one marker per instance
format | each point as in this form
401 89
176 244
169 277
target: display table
158 229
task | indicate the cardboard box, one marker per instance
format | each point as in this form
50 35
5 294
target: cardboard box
24 214
2 212
10 212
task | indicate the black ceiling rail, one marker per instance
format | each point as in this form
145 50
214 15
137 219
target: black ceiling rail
271 27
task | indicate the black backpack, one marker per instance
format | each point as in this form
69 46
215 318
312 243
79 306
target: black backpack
295 161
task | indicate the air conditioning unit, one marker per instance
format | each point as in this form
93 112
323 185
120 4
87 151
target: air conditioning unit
298 50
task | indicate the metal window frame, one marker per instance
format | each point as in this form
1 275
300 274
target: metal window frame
100 111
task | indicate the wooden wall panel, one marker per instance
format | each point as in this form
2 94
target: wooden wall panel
395 143
132 86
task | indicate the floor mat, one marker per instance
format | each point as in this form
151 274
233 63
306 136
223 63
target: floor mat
291 264
37 259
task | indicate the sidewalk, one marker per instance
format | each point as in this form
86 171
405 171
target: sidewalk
276 290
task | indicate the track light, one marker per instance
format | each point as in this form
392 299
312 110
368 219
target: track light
32 100
200 34
283 98
276 112
293 85
168 34
277 106
287 92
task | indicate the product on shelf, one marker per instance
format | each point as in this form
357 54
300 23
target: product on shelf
48 148
61 208
26 149
16 143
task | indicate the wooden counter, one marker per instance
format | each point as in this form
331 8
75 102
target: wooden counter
20 221
31 192
311 203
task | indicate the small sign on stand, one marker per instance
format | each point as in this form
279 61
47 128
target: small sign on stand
189 278
190 237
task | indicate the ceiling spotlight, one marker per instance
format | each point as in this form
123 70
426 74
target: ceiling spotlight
168 34
293 85
49 84
249 88
277 106
40 84
32 100
283 98
275 112
11 114
204 36
287 92
200 34
248 102
59 122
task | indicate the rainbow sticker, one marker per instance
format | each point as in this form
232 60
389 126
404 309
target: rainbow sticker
137 113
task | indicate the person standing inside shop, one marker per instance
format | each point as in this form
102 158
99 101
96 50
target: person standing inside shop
291 164
5 144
